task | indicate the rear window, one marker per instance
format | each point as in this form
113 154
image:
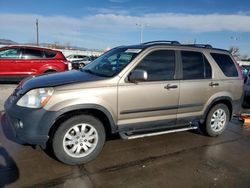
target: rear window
49 54
195 66
226 64
32 54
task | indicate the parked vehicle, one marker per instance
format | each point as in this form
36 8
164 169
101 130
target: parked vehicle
78 64
17 62
137 91
75 57
246 101
244 73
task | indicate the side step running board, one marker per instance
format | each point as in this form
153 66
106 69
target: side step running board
125 136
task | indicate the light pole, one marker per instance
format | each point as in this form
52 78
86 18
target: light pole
141 30
37 33
234 39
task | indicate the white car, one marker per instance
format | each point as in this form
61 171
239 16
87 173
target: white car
75 57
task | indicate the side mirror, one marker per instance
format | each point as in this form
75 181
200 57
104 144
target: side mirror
138 75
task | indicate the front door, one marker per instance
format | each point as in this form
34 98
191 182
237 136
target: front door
153 102
8 61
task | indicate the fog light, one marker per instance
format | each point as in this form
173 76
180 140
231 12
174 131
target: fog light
20 124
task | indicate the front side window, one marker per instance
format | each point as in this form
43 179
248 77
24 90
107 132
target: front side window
195 66
32 54
10 53
112 62
160 65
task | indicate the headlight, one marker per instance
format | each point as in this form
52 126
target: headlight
36 98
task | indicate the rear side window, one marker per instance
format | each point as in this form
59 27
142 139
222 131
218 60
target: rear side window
32 54
226 64
49 54
160 65
195 66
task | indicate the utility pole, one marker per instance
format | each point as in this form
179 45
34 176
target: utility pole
37 33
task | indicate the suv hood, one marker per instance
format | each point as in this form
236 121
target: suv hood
56 79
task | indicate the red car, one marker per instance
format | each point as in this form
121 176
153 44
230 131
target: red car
17 62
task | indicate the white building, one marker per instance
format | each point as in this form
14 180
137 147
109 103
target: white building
80 52
244 63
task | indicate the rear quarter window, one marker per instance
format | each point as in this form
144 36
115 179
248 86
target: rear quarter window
226 64
49 54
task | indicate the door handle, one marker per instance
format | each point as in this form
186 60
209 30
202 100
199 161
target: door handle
169 86
213 84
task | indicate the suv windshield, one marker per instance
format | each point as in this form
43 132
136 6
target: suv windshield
112 62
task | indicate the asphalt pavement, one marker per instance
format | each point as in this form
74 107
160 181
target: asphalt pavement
185 159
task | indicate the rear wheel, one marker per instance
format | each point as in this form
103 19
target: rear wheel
49 71
79 139
217 120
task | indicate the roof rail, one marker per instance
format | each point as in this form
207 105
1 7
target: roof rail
162 42
199 45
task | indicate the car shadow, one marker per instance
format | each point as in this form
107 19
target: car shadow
9 171
9 82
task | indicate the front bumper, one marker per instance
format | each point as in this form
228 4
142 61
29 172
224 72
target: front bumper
25 136
29 125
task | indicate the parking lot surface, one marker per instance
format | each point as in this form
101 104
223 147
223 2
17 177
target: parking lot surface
185 159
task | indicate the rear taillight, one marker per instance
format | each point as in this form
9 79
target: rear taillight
68 63
239 70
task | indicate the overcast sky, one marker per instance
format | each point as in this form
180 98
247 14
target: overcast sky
108 23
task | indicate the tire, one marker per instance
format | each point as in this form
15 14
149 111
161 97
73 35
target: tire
81 65
217 120
78 140
49 71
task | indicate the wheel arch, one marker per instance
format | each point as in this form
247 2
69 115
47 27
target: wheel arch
224 100
97 111
49 70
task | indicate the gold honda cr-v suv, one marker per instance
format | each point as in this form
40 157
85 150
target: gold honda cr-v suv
141 90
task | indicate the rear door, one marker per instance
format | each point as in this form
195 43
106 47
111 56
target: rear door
195 85
31 61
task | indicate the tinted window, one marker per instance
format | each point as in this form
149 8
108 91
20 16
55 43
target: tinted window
10 53
32 54
195 65
160 65
226 64
49 54
208 69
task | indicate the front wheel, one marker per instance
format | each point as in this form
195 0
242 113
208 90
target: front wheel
217 120
79 139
